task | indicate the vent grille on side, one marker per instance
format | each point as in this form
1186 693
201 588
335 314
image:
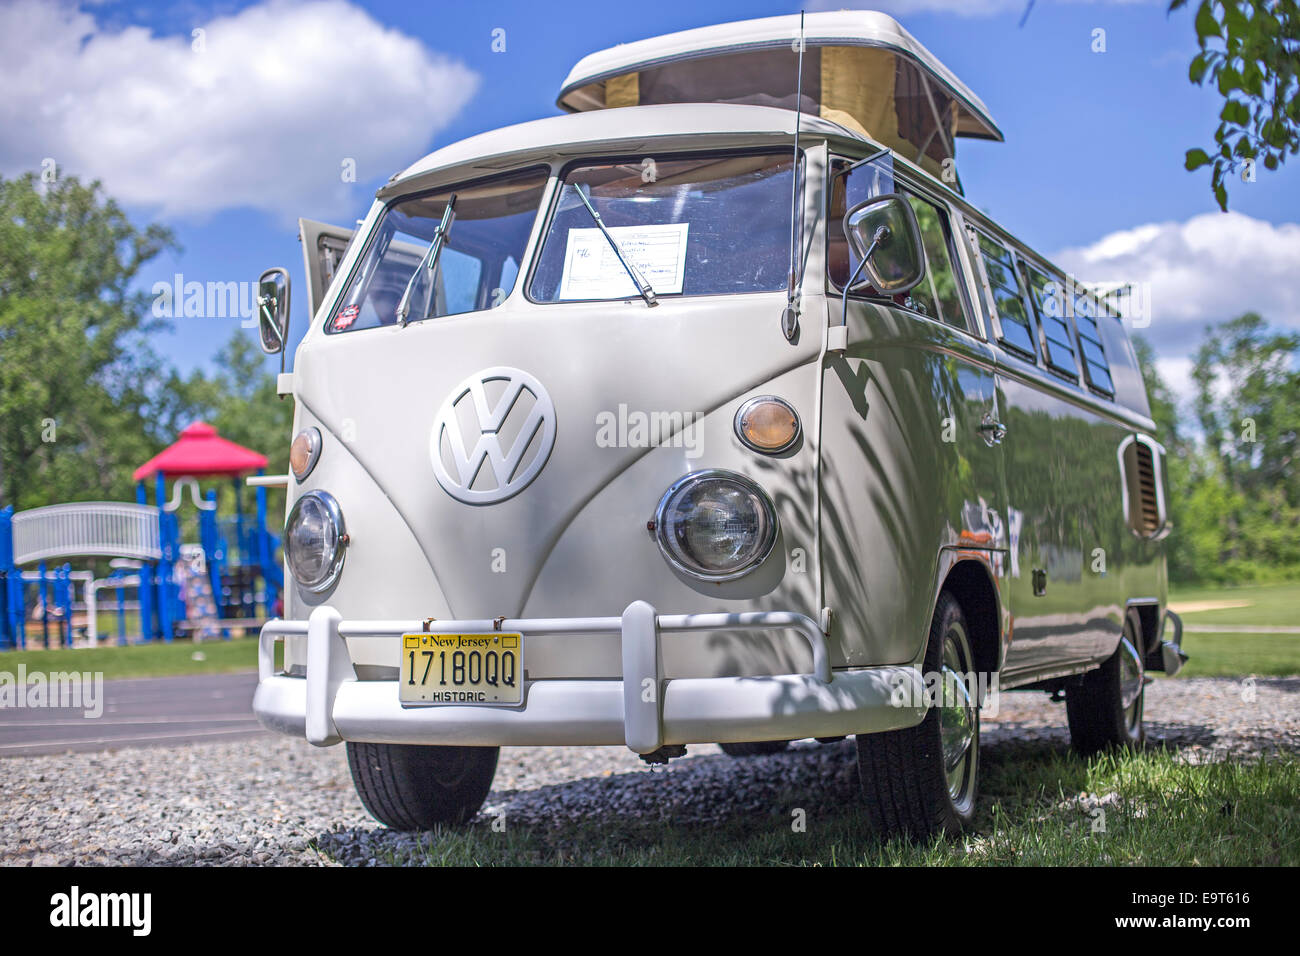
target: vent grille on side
1148 517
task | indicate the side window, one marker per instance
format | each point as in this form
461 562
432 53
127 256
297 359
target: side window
937 296
1048 297
851 183
1125 373
1015 328
1087 313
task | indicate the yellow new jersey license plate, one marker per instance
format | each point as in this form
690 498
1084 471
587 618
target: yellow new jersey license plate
462 669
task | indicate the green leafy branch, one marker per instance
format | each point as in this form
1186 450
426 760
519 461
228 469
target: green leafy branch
1250 50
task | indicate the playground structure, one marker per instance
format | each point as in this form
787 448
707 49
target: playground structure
231 578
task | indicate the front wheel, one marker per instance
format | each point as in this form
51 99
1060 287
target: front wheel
414 787
921 781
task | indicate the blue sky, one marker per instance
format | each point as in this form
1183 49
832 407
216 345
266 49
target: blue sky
228 144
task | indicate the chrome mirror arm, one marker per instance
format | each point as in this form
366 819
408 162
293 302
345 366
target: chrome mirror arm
880 238
265 302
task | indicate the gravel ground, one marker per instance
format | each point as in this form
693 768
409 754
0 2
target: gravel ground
275 800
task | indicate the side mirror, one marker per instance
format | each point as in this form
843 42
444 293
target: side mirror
884 234
273 310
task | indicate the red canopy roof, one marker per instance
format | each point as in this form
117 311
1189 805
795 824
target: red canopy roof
201 451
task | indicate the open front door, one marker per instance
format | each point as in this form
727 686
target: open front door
323 246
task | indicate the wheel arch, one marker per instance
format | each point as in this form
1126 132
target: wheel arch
1149 612
970 580
1149 615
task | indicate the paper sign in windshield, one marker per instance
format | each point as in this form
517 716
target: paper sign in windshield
592 270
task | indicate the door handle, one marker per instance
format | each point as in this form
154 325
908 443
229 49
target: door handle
992 430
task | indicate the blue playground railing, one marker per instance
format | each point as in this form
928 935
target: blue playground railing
143 532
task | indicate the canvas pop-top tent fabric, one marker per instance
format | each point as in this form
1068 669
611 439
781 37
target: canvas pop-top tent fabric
861 69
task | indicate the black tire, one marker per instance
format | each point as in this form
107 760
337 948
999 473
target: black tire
413 787
906 784
1102 706
755 749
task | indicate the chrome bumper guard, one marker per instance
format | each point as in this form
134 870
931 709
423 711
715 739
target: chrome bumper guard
644 710
1171 650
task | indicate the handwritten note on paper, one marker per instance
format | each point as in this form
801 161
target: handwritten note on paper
592 270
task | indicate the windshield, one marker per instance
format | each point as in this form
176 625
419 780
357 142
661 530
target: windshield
699 226
475 269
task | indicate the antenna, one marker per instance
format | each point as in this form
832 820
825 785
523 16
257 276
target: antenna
790 317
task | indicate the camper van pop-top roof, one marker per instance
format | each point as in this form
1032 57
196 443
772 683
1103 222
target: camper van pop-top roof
861 69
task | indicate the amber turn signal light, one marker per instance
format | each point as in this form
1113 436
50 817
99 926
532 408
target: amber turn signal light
767 424
303 452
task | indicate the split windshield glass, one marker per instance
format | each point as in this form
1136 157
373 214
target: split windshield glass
698 226
476 269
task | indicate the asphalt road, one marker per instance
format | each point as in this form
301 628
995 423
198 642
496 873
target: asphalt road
154 711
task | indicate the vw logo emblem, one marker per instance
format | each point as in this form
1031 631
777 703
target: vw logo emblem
492 436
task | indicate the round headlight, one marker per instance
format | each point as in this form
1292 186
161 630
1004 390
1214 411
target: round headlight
715 525
315 540
303 452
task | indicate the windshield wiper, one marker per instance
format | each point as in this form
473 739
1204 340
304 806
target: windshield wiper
429 260
642 286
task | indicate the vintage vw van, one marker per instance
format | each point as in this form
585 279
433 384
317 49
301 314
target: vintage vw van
709 412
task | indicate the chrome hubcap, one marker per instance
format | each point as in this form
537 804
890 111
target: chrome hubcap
1130 683
957 719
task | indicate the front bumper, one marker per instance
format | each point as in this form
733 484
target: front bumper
644 710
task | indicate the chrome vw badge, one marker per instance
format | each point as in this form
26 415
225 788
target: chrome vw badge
492 436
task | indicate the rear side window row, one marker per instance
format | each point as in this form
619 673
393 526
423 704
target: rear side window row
1013 325
1010 282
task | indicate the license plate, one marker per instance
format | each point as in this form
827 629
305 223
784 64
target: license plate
462 669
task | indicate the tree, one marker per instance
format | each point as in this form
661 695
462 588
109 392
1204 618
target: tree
1235 503
1233 498
76 366
84 398
1250 49
1248 404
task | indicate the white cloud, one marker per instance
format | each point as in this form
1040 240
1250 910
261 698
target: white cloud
263 116
1176 372
1204 271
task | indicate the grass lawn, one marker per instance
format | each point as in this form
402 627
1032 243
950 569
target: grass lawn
141 660
1238 655
1225 654
1040 806
1268 604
